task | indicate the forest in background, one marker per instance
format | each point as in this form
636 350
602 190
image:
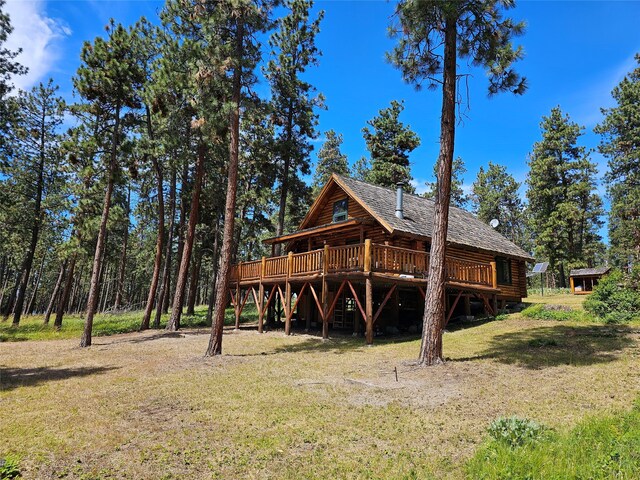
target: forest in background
126 209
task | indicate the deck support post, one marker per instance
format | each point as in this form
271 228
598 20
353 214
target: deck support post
357 318
287 299
325 293
494 304
238 309
325 308
261 308
467 306
369 310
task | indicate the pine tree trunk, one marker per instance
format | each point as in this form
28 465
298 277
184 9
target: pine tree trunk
178 297
214 275
123 257
146 318
4 287
92 301
184 181
193 284
12 300
36 287
284 184
66 293
56 293
163 301
35 231
222 284
434 308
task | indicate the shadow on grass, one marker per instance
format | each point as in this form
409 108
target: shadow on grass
558 345
337 343
11 378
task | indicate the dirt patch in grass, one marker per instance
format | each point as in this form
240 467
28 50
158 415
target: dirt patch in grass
148 405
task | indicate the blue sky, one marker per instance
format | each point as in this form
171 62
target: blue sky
576 52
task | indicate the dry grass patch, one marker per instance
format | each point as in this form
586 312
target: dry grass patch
150 406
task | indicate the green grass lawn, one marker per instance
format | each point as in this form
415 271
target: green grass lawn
149 405
33 328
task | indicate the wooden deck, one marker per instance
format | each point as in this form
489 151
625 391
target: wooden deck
386 262
312 275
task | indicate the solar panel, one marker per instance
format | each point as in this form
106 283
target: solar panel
540 267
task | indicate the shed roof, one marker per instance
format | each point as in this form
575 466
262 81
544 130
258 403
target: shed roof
464 228
587 272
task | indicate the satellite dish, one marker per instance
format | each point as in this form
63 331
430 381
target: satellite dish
494 223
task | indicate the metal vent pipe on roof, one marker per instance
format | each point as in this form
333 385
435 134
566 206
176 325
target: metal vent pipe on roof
399 195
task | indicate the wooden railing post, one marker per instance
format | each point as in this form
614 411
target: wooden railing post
325 260
263 267
494 275
367 255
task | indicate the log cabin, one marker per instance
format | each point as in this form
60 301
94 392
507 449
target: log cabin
359 262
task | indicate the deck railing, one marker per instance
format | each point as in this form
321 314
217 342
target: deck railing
366 257
345 259
386 258
306 263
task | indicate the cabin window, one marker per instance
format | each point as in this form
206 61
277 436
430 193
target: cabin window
503 267
340 210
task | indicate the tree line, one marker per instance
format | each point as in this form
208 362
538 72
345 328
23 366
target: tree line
174 167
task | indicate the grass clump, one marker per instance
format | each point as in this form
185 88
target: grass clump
558 313
616 298
602 447
515 431
9 467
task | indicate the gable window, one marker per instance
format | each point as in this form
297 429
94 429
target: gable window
340 210
503 267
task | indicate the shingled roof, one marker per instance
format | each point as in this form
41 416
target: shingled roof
464 228
588 272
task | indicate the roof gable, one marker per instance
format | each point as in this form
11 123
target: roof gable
464 228
321 202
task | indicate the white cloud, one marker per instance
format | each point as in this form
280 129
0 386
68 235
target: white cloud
421 185
38 35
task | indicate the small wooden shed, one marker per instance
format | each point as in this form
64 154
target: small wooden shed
582 280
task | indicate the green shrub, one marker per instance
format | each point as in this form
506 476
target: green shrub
602 447
616 298
9 467
558 313
515 431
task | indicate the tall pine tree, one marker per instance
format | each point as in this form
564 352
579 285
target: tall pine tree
620 143
36 165
433 36
330 160
390 142
564 206
110 75
458 197
293 99
495 196
8 69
